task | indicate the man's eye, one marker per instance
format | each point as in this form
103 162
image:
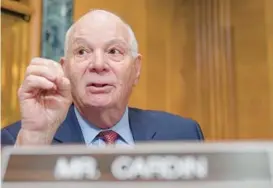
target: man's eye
114 51
82 51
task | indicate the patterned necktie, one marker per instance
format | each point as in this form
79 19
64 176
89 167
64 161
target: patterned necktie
109 137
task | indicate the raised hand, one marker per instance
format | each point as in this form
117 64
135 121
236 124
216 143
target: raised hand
45 97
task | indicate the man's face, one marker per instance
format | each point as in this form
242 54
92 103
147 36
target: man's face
99 63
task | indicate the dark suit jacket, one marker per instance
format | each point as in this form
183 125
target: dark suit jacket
146 125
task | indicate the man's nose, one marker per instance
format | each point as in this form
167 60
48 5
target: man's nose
99 63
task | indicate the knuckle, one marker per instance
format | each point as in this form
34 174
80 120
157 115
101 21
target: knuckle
35 60
40 61
29 70
45 62
29 78
19 91
57 68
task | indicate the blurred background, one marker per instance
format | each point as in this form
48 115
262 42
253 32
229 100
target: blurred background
210 60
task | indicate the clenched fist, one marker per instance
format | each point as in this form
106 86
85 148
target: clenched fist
45 97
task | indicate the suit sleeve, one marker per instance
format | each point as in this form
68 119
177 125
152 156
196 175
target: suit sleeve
199 132
6 138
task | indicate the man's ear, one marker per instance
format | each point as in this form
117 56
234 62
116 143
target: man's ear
137 63
63 64
62 61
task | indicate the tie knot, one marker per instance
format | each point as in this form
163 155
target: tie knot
109 137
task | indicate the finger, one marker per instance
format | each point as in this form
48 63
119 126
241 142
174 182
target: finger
52 65
43 71
63 86
41 61
37 82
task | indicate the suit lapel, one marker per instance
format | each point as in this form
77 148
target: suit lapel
69 131
142 129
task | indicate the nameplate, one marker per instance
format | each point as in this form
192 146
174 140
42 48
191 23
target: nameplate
157 162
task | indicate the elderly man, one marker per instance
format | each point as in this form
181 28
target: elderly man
84 98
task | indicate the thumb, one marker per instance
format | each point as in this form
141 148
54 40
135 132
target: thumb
64 87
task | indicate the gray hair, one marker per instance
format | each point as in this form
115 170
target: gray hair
132 38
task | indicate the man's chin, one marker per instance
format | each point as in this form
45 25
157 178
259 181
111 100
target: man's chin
99 101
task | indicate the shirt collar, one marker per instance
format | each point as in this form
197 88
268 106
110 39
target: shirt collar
90 131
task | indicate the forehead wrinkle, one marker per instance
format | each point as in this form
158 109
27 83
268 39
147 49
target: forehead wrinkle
80 40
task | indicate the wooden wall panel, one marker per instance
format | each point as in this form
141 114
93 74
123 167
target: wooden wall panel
156 44
14 52
210 60
20 42
35 26
215 68
269 39
251 65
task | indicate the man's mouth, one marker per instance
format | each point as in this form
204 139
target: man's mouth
98 85
97 88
